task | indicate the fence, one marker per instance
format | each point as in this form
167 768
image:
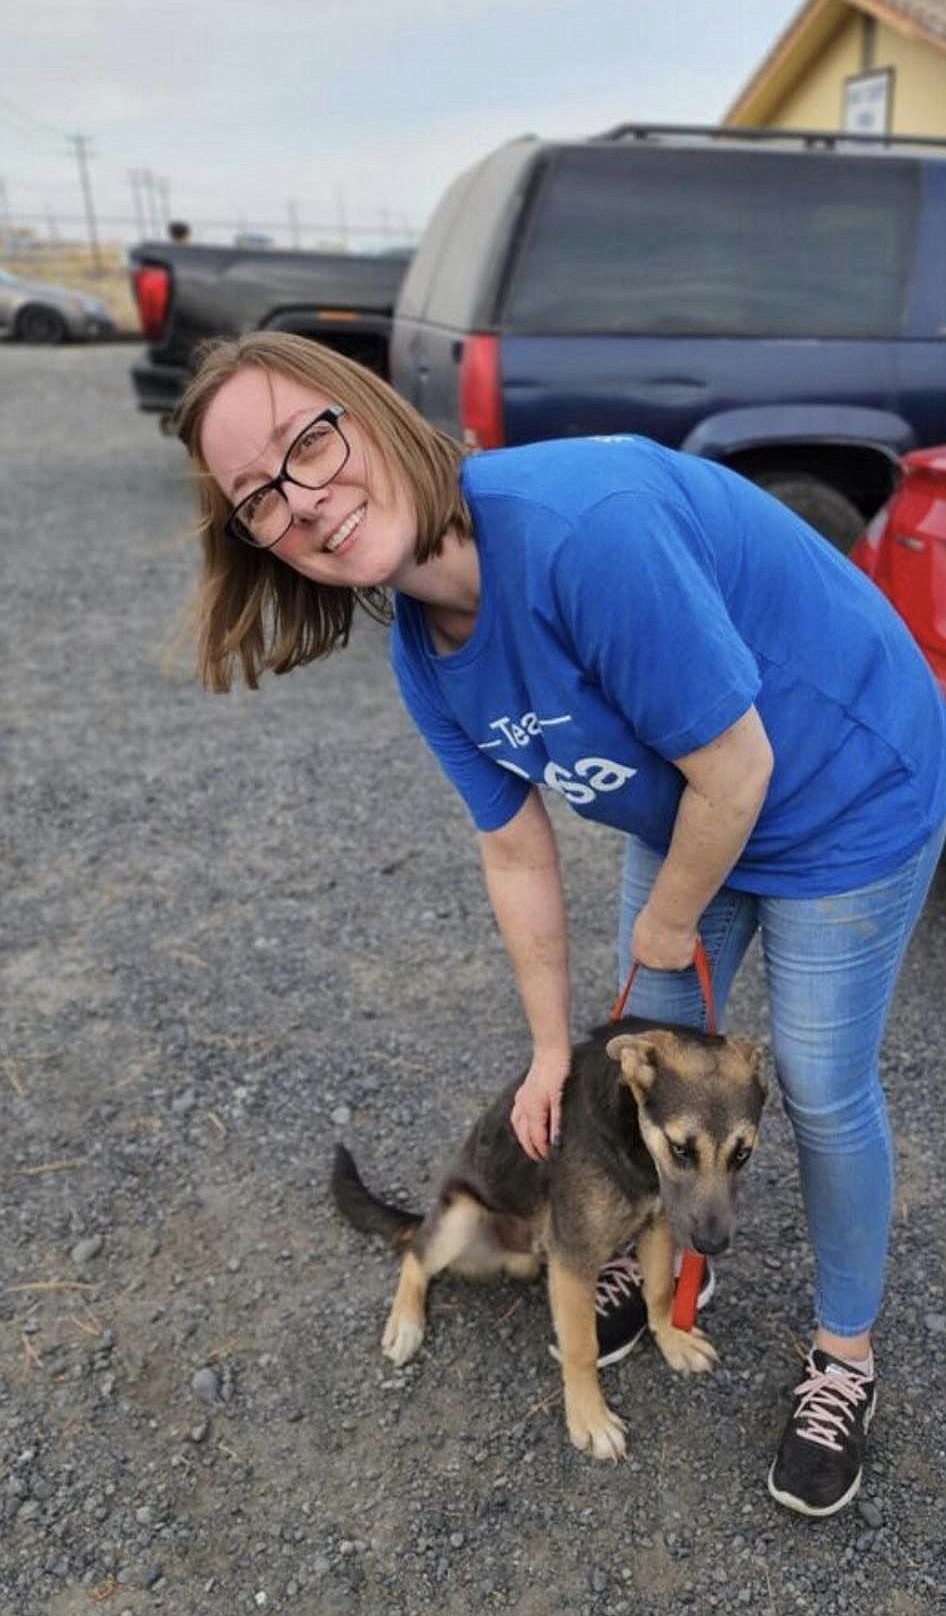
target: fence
28 237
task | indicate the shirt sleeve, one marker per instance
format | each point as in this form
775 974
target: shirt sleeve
637 588
492 794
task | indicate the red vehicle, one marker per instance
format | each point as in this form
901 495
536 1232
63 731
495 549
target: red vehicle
904 551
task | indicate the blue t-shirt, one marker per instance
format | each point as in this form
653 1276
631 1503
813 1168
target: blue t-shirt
635 602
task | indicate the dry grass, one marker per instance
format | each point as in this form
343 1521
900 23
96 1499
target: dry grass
70 265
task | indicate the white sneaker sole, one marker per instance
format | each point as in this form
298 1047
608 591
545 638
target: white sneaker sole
623 1351
816 1511
706 1295
791 1501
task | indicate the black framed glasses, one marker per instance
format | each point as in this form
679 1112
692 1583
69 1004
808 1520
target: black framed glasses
315 456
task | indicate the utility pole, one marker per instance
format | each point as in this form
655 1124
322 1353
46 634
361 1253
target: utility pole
151 201
81 142
134 179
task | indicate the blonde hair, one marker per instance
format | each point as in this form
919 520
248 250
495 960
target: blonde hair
253 610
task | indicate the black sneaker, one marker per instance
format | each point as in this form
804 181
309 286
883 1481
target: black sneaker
621 1313
818 1466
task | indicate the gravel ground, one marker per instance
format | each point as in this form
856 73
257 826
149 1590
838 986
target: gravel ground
235 930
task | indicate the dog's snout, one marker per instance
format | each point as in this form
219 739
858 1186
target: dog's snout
710 1244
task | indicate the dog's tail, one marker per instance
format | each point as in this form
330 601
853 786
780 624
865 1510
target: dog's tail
363 1210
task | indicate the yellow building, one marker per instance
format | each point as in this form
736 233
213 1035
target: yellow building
875 67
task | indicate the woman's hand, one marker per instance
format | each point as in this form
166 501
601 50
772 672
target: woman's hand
726 785
662 945
536 1115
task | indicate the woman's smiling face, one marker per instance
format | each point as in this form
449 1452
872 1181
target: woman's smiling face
359 531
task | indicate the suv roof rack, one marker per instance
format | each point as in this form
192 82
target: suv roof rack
807 138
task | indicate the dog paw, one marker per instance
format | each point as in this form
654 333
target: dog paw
602 1436
401 1339
689 1352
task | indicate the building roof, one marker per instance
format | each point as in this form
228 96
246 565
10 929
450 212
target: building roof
807 34
927 17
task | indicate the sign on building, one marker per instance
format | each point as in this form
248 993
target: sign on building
868 102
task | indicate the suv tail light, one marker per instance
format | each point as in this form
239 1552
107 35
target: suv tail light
152 285
481 399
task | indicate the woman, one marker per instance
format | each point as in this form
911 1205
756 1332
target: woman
678 656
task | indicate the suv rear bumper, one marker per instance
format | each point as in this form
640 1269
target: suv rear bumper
158 387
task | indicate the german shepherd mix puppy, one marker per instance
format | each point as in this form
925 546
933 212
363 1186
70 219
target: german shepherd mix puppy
657 1124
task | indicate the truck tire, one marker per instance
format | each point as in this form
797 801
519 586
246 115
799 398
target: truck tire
819 504
39 323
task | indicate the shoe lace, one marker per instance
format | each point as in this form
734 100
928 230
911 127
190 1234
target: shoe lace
617 1280
829 1400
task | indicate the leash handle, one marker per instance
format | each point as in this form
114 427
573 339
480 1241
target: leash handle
702 966
692 1265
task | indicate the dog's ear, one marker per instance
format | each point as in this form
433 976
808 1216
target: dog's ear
615 1047
639 1055
752 1055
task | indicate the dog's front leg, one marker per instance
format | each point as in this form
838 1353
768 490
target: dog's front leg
404 1330
592 1425
689 1352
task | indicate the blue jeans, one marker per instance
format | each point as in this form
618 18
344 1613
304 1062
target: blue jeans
831 966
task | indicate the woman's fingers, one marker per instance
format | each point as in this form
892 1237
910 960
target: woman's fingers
530 1122
536 1115
555 1121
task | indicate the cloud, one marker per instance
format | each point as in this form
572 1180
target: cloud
366 105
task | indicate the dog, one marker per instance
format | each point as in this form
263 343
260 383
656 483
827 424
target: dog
657 1124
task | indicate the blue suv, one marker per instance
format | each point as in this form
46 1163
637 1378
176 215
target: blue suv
772 300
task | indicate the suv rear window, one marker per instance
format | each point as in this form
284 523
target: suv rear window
710 243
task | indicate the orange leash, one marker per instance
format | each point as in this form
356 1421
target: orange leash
693 1265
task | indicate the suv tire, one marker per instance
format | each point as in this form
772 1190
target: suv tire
823 507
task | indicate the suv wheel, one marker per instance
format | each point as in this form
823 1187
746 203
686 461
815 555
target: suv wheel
819 504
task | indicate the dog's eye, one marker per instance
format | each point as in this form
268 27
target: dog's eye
683 1154
740 1156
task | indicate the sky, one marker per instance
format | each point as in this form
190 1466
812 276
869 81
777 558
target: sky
312 120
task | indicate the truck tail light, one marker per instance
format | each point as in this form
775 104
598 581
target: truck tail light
481 401
152 285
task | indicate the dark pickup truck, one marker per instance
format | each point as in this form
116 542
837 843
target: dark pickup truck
188 293
772 300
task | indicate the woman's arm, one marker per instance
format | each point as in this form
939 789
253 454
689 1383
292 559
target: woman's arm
524 883
726 783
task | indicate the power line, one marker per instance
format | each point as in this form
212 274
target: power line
42 141
27 118
398 229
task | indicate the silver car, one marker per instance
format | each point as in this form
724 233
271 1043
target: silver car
31 311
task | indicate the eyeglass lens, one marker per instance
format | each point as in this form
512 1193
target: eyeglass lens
315 458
